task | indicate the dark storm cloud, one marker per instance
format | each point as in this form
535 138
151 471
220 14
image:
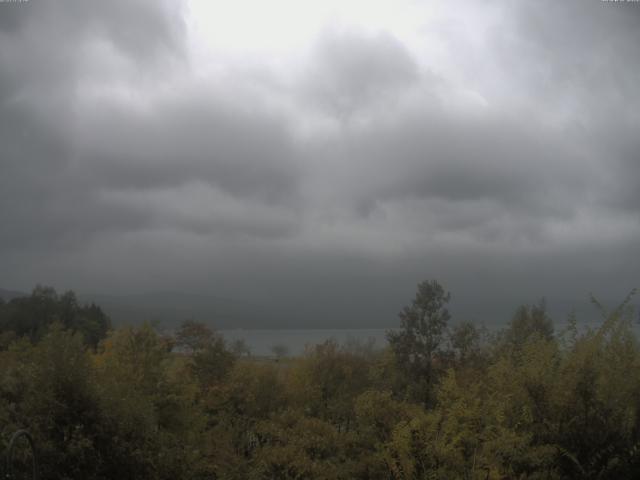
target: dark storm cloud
554 145
42 55
581 58
70 155
137 27
350 70
453 159
366 166
187 138
14 16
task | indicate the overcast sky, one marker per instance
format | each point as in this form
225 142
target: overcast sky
321 155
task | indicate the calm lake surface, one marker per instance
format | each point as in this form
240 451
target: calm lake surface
261 341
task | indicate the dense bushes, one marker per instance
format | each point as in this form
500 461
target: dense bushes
525 404
32 316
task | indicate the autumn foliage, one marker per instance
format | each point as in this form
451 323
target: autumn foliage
442 401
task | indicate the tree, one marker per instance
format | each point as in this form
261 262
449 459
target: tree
213 362
529 321
33 315
280 351
423 325
326 381
240 348
151 429
210 358
465 340
193 336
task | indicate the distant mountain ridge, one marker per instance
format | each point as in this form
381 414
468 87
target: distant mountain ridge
169 309
7 295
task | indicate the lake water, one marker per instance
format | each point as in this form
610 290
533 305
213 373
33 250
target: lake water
261 341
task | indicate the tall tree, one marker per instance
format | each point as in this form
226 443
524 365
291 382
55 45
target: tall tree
32 316
210 358
529 321
423 325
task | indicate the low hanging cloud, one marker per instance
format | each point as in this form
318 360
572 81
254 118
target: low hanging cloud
349 71
500 146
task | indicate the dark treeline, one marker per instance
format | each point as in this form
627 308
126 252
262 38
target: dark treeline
32 317
444 400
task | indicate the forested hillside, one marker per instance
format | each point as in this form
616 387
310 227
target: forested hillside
445 400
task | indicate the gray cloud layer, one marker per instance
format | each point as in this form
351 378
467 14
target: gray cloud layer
507 167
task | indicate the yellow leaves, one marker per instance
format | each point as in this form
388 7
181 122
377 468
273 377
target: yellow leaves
252 389
541 410
296 446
